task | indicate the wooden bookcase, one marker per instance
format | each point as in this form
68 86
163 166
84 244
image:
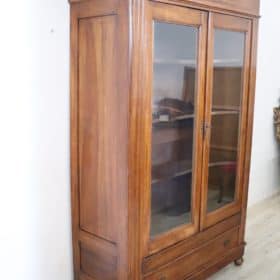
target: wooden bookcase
162 96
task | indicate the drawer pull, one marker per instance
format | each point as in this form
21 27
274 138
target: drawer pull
226 242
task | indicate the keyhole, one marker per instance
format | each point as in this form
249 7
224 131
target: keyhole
226 242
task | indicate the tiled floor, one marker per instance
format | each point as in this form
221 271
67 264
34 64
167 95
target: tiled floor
262 257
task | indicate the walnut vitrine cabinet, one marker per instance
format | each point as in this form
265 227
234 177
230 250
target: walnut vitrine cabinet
162 96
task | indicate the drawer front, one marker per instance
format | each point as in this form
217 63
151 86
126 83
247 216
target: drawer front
186 264
163 257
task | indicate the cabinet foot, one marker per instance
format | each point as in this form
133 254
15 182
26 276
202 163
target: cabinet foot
239 262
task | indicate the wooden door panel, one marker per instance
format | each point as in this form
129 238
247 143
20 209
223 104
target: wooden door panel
164 142
225 116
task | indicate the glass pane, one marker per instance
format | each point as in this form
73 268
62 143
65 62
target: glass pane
226 110
173 124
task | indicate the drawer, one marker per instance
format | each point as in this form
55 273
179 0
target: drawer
169 254
179 268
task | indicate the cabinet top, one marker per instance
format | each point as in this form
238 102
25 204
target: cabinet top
250 7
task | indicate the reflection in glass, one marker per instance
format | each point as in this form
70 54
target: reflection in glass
173 123
226 102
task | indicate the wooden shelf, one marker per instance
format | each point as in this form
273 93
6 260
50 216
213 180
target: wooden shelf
179 169
193 63
191 116
224 148
184 62
183 168
178 174
226 108
179 118
162 221
221 163
224 112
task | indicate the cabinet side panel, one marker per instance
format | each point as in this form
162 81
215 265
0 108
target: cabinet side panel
250 122
98 121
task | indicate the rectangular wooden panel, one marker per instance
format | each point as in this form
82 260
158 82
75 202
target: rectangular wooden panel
181 267
99 263
98 123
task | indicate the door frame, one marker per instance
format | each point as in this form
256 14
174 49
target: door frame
238 24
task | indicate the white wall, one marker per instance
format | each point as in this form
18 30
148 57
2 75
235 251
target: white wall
265 166
35 238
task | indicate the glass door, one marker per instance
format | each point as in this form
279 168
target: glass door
178 36
225 120
174 108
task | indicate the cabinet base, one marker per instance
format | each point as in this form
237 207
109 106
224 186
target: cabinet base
235 254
